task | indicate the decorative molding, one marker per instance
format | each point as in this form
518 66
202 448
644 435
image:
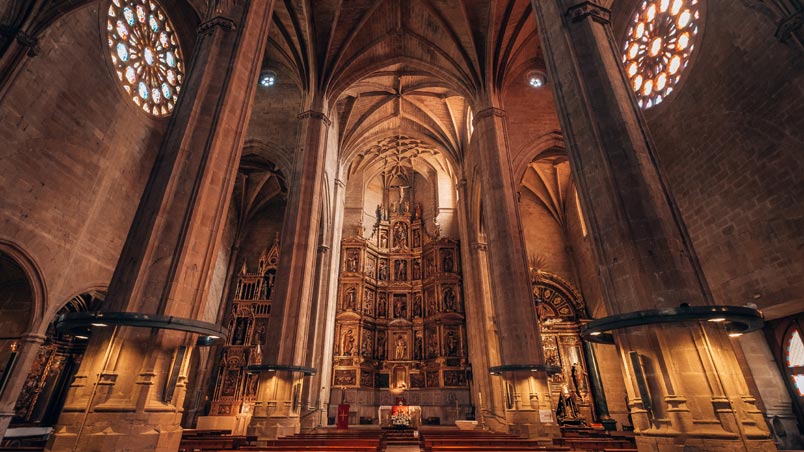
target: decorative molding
488 112
480 246
217 21
314 115
586 9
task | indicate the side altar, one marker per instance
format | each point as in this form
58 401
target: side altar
387 412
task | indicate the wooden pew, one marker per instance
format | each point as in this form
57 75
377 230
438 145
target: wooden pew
207 443
594 443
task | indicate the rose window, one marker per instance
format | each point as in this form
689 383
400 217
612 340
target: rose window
145 53
658 46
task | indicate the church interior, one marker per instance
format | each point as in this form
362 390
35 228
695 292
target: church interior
401 225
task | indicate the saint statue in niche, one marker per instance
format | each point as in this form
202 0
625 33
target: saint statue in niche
417 238
401 270
381 346
378 213
400 235
417 348
401 348
417 305
417 214
432 345
446 261
432 309
349 299
368 302
381 305
239 336
430 269
370 267
382 274
400 307
365 348
417 269
452 344
383 239
449 299
260 334
348 343
352 262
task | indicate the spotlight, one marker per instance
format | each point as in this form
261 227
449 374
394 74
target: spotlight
99 324
595 333
537 79
267 78
717 320
83 338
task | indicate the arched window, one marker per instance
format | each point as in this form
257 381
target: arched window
794 359
657 48
145 54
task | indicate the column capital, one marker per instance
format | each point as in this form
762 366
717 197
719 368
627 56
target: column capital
581 11
218 21
488 112
315 115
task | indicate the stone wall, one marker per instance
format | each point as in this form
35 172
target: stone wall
76 155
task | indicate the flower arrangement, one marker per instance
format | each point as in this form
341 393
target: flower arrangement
400 419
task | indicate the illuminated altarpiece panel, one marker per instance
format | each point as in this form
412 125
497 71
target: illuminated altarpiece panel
400 325
235 389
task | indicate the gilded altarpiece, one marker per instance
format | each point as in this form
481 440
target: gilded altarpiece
561 311
235 389
400 322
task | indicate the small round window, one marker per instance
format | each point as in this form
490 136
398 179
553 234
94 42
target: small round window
658 46
145 53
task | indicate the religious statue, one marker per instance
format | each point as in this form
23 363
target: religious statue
400 307
349 299
452 344
432 309
577 374
430 267
239 336
446 262
365 348
378 213
400 235
370 267
432 345
368 302
417 214
393 207
381 305
417 348
401 270
382 274
417 269
417 238
383 239
417 305
352 262
401 348
348 343
259 335
381 346
449 299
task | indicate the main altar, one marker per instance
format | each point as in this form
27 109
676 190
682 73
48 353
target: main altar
387 412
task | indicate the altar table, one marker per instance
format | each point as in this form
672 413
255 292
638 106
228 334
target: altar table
386 411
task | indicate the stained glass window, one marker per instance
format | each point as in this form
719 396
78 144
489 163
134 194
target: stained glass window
794 357
145 53
657 49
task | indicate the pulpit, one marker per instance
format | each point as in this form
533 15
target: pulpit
387 412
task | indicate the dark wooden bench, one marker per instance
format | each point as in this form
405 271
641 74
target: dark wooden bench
594 443
206 443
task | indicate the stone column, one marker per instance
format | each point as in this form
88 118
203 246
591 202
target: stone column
480 333
119 399
325 340
512 301
277 410
685 386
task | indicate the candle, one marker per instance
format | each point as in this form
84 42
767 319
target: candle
480 399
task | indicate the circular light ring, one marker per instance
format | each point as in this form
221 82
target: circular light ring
658 46
738 319
83 320
499 370
537 79
145 54
256 368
